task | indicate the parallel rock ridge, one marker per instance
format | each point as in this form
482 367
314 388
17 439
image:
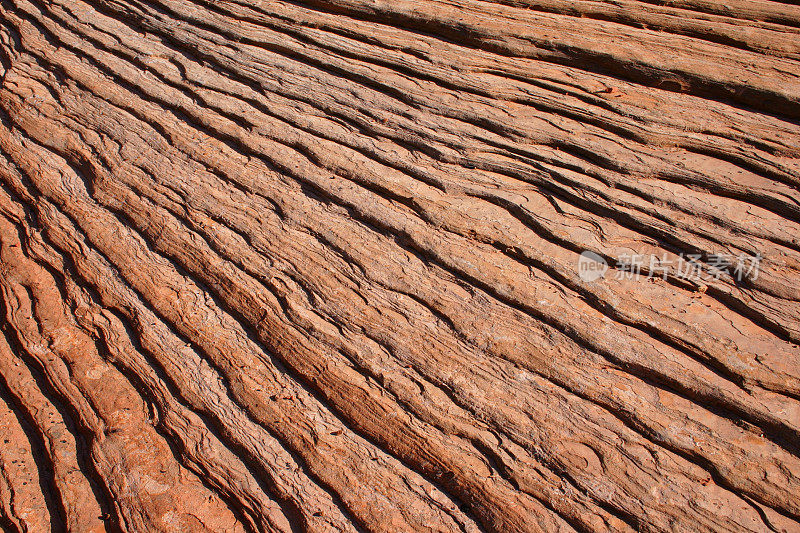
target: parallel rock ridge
316 265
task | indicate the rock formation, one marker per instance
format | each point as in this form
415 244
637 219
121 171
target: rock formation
316 265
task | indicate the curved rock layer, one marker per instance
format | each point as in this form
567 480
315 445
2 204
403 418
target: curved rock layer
314 265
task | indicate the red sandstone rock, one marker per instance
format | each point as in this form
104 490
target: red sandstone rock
315 265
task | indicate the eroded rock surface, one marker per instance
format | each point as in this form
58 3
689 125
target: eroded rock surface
314 265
